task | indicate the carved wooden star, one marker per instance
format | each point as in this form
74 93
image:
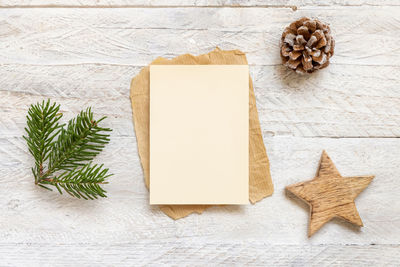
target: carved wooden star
330 195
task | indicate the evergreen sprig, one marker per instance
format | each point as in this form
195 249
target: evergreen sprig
70 156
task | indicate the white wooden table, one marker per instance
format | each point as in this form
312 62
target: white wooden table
85 52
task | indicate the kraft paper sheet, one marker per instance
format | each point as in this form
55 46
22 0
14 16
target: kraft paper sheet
260 183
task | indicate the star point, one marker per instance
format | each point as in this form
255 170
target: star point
326 167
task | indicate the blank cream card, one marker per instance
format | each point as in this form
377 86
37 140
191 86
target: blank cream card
199 134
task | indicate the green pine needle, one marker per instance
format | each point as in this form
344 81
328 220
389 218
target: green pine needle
84 182
76 146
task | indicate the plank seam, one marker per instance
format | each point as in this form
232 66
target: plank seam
293 7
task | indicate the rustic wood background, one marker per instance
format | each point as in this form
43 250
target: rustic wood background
85 52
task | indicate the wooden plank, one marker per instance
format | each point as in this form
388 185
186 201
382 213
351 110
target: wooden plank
164 253
30 214
192 3
340 101
135 36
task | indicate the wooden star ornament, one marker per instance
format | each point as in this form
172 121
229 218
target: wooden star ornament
330 195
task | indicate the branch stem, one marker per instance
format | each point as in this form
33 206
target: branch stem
65 155
54 180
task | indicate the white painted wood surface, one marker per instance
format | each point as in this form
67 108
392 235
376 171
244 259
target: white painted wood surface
86 52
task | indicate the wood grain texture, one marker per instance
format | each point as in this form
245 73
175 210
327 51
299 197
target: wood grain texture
87 56
350 101
330 195
155 253
193 3
136 36
125 215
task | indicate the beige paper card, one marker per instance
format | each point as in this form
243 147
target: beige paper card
199 134
260 182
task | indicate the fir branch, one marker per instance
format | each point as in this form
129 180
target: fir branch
43 127
72 152
84 182
79 143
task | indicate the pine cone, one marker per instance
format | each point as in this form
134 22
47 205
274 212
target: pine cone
307 45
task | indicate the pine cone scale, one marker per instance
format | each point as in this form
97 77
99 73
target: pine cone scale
294 55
